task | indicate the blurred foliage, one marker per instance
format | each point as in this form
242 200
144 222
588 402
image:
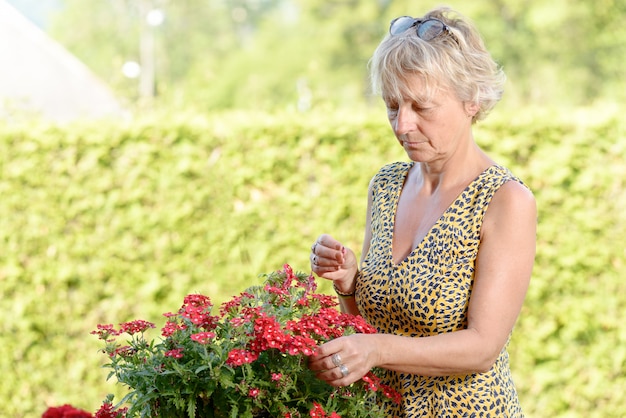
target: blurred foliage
105 222
302 54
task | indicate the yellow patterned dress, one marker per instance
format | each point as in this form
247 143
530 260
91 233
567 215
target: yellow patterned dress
428 294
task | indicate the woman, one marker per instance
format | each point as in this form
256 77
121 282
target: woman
450 236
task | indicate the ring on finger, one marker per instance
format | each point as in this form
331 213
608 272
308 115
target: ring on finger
336 358
315 259
313 247
344 370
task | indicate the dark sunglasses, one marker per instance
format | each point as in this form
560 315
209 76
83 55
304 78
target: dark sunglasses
426 29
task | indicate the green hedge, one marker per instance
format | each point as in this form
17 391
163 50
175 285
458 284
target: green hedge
103 223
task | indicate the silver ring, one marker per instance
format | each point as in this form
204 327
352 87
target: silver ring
336 358
315 260
344 370
313 247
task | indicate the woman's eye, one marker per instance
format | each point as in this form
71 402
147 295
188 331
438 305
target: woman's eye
392 109
420 108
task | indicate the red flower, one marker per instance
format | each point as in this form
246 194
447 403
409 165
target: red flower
391 393
197 309
170 328
203 337
135 327
276 290
238 357
175 353
318 412
66 411
232 305
326 301
197 302
301 344
373 381
289 276
125 351
269 334
107 411
104 331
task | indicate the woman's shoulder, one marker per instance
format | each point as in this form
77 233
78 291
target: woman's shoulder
510 192
501 175
497 187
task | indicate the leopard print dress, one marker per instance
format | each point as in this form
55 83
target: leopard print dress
428 294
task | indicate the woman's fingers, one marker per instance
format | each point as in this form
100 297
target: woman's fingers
327 255
339 362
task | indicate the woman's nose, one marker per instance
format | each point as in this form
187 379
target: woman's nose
406 121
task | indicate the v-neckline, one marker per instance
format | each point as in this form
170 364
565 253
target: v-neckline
434 225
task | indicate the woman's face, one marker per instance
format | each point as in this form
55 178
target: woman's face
429 129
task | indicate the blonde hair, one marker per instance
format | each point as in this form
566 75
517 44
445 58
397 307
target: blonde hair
457 59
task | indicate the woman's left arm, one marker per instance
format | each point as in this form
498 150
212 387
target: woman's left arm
502 275
503 268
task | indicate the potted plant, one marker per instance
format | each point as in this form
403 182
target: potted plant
247 360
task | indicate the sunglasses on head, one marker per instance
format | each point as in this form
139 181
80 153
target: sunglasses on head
426 29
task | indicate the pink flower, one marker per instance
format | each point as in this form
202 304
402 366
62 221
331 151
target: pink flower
170 329
135 327
104 331
289 276
197 302
175 353
276 290
124 351
203 337
254 392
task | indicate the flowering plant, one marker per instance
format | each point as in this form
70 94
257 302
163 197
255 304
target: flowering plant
248 361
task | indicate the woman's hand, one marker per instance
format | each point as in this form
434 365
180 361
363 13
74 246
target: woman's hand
345 360
331 260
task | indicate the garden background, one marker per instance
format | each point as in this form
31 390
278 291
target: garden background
259 136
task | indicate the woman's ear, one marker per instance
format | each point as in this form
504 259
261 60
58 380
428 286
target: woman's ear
471 108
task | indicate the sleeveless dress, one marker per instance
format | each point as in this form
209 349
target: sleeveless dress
428 293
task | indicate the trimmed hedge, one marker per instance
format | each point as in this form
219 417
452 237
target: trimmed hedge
102 223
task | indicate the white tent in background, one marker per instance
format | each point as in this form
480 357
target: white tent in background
39 76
